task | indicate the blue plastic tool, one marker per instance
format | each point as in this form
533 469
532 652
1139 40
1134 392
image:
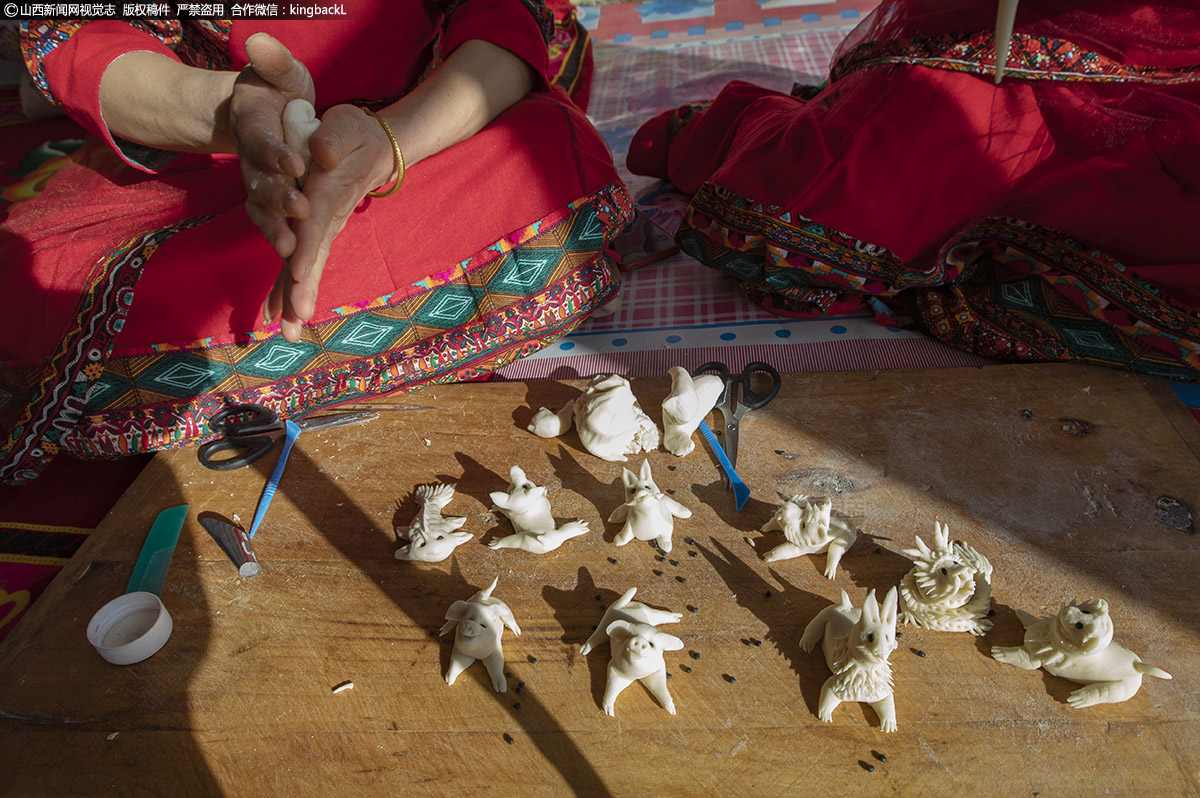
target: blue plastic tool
740 492
150 570
293 432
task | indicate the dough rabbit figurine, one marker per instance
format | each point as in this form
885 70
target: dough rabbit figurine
809 527
431 537
857 644
626 609
648 513
611 423
690 401
637 655
527 507
480 623
949 588
1076 644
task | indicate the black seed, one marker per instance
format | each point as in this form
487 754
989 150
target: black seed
508 674
532 660
870 768
668 676
517 705
730 679
670 468
899 635
768 594
991 613
599 597
508 739
593 627
517 690
674 562
1025 414
878 550
661 558
671 491
920 653
689 541
691 554
757 643
680 579
779 451
695 655
657 572
612 560
879 756
685 669
520 685
693 609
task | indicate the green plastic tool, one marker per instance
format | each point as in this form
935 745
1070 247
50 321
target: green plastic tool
150 570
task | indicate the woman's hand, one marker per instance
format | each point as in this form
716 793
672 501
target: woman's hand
269 166
351 156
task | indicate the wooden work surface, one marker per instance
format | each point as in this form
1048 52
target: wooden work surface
1053 472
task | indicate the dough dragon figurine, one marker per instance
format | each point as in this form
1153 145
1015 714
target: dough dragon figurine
478 625
949 588
809 527
431 537
857 644
1077 645
648 513
626 609
611 423
527 507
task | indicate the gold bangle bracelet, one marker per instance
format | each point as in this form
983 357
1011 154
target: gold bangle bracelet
399 156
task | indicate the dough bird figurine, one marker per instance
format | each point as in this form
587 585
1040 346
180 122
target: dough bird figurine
431 537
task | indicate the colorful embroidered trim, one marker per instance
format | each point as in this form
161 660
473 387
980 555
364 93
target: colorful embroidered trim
1035 58
568 51
498 310
69 376
1005 289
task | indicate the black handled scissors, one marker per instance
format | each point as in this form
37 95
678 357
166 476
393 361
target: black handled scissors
734 407
251 430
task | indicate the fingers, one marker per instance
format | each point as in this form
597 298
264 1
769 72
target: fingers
272 61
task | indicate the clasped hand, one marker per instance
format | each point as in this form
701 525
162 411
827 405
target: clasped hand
350 156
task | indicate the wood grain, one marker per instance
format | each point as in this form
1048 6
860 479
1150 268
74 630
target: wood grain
1052 472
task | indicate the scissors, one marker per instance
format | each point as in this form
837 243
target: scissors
251 430
734 408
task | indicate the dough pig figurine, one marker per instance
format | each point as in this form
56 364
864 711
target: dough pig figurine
480 623
810 528
648 513
1077 645
431 537
857 644
637 655
626 609
527 507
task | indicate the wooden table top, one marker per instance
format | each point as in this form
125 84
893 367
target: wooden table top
1055 473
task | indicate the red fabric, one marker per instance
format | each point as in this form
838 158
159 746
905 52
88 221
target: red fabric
906 156
209 282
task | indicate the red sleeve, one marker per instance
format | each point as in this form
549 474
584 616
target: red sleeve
522 27
69 68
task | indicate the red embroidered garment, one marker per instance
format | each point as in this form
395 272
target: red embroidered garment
1050 218
144 291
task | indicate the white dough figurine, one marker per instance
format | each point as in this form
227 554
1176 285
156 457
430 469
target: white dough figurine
690 401
431 537
810 527
637 655
857 644
299 123
949 588
611 423
648 513
527 507
626 609
1076 644
480 623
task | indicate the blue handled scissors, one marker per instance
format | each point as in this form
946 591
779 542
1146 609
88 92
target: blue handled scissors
734 408
251 430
